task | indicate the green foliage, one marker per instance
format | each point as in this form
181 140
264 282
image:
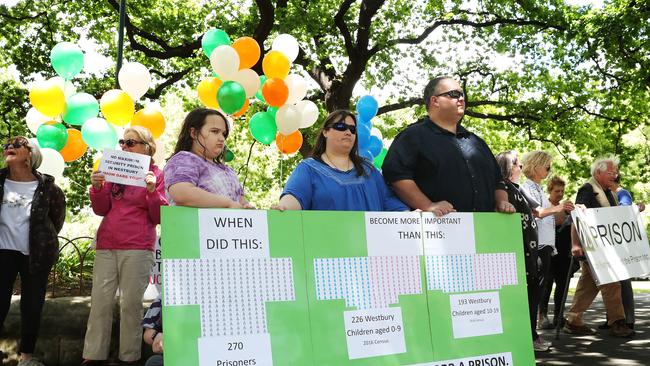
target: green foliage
538 74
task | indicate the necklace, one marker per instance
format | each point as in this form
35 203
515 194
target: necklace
331 163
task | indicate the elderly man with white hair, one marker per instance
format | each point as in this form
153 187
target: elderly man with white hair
596 193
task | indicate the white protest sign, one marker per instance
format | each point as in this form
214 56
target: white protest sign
233 233
155 278
124 167
615 242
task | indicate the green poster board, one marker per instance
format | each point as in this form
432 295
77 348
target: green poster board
245 287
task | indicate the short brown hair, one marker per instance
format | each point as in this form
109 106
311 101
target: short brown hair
555 181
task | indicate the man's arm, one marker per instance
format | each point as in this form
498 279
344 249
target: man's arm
410 194
501 202
576 247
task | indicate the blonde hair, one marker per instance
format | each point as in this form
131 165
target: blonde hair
145 135
533 160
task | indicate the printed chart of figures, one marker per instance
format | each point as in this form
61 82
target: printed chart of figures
252 287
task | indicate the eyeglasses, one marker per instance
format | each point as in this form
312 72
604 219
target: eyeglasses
342 126
16 144
611 174
131 142
453 94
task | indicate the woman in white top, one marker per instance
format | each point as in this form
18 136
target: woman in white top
32 212
537 166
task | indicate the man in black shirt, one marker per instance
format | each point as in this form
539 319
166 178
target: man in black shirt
437 165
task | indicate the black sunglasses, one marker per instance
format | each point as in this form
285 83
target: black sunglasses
453 94
131 142
342 126
16 144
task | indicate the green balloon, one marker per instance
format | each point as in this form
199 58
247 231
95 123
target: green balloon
259 95
228 156
52 134
213 39
272 111
67 59
231 97
79 108
379 159
99 134
263 128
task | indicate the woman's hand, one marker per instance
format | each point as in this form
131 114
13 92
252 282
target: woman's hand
150 180
157 345
97 180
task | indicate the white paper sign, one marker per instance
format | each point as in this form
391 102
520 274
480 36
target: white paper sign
449 234
155 278
374 332
615 242
476 314
250 349
393 233
233 233
124 167
501 359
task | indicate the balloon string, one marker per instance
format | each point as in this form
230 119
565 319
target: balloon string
281 171
250 152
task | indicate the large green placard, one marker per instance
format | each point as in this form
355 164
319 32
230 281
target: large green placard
247 287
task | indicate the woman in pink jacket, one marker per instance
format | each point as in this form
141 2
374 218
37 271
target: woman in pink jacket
125 242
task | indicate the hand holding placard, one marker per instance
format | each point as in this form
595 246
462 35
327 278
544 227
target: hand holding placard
125 167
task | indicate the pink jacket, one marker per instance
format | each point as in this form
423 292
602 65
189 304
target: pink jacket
130 218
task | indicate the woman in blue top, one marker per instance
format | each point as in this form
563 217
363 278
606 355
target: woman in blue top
336 177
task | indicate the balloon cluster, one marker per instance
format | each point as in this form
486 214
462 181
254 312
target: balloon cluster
234 82
370 141
56 103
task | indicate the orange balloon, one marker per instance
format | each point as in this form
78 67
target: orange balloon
276 65
151 119
208 89
289 144
243 109
248 51
275 92
75 147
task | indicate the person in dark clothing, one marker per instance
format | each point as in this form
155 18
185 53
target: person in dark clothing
437 165
31 215
559 263
511 171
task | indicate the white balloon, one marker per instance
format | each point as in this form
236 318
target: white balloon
287 119
376 132
249 80
297 88
225 62
34 118
65 85
134 79
286 44
308 113
52 164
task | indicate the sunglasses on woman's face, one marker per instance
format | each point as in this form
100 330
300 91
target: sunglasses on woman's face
131 142
16 144
342 126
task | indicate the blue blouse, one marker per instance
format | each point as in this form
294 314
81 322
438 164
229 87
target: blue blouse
317 186
624 197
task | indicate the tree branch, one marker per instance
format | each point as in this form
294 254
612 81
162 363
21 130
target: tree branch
173 77
185 50
497 21
339 20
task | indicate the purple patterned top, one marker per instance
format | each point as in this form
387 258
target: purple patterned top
186 166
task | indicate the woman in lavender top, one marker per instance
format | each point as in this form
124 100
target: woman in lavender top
196 175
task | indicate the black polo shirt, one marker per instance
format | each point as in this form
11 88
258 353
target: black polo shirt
458 168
